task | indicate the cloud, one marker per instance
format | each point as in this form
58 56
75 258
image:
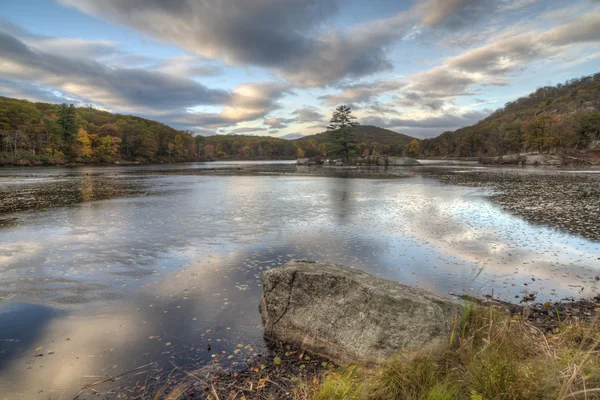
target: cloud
277 123
281 35
585 29
361 92
308 115
130 90
451 13
492 63
20 89
511 5
442 82
189 66
248 102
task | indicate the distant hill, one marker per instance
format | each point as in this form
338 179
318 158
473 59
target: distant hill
553 118
369 137
292 136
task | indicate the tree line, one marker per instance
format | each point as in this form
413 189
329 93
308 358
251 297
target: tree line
42 133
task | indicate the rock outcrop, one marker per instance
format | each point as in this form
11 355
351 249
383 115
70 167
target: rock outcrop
350 316
384 161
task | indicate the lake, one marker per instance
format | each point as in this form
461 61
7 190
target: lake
106 269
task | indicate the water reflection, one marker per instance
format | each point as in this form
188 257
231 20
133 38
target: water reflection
162 265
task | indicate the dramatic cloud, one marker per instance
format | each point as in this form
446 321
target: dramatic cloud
361 92
282 35
132 90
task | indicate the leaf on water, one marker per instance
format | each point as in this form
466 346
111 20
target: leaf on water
277 361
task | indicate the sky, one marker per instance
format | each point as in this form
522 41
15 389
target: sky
280 67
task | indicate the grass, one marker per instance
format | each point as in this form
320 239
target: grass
491 356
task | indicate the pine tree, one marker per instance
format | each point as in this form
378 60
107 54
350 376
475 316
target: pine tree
341 132
66 119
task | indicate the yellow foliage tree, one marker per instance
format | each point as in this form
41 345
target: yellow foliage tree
413 149
83 144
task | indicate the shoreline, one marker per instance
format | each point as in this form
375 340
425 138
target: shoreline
285 370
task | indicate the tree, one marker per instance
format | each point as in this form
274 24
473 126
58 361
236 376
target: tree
83 144
589 128
341 132
109 146
67 120
537 131
412 150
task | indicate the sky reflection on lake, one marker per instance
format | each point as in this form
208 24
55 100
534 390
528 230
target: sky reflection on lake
141 267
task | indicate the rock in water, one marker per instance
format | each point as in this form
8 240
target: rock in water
350 316
402 161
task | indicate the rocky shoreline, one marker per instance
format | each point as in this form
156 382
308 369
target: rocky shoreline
279 373
289 367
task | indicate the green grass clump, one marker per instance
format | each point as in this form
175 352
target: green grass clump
490 356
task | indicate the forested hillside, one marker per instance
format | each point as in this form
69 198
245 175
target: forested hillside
371 140
42 133
553 118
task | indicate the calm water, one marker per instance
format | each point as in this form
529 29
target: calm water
105 269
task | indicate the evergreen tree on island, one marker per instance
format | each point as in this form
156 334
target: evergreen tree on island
341 132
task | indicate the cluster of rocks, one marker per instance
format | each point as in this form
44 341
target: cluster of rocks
310 161
381 161
349 316
384 161
525 159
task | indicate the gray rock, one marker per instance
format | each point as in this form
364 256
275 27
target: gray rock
525 159
350 316
303 161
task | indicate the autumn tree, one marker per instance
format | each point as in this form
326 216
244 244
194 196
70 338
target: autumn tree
412 149
341 132
537 131
83 144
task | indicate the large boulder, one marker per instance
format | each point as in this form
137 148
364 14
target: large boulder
402 161
350 316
